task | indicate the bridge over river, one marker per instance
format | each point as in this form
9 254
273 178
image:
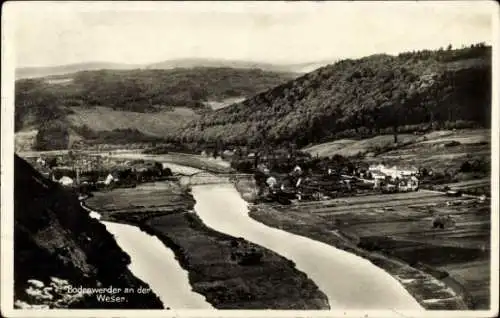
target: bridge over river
205 178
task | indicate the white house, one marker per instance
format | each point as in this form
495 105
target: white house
393 172
412 183
110 179
40 161
297 170
271 182
66 181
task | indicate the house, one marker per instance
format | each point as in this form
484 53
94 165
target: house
297 170
113 176
85 180
288 183
271 182
263 168
378 180
41 161
66 181
143 167
413 183
393 172
110 178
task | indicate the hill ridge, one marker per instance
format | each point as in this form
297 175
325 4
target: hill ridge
66 69
360 97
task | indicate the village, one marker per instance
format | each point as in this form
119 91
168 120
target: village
86 173
280 175
283 176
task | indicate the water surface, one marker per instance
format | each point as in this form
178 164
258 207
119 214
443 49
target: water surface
349 281
155 264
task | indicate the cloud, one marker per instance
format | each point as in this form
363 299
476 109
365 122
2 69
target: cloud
280 32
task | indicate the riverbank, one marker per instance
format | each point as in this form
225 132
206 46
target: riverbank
354 230
230 272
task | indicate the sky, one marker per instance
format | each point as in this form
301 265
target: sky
47 34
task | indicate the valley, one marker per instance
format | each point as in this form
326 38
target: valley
363 184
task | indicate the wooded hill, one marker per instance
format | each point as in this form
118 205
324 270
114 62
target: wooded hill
41 99
359 98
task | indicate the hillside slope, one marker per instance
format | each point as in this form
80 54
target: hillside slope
57 244
144 104
143 91
359 98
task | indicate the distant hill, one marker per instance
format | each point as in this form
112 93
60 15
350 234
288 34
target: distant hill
190 63
153 102
352 98
34 72
359 98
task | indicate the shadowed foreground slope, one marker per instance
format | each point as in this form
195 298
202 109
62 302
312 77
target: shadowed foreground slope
57 245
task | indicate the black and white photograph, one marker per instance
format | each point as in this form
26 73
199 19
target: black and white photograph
249 159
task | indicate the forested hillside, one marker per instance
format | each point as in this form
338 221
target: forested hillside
42 99
358 98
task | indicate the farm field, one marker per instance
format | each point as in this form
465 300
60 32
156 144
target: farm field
99 119
224 103
441 151
397 229
434 150
154 124
469 183
147 197
475 187
352 147
230 272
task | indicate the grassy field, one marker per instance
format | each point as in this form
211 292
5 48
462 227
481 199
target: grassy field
475 187
224 103
220 266
100 119
155 124
148 197
352 147
427 149
443 268
438 153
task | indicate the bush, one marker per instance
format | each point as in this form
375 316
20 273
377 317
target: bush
475 166
452 143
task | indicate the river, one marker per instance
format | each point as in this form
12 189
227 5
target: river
349 281
155 264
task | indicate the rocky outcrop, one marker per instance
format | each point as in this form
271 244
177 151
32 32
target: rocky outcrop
59 249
